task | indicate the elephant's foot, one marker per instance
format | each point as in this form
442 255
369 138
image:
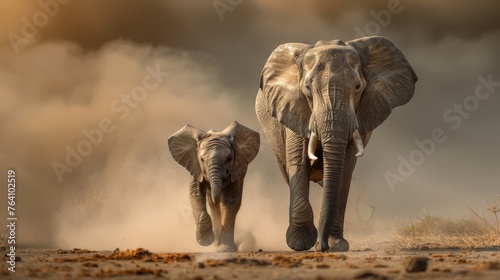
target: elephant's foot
334 245
205 238
224 243
226 248
338 245
301 238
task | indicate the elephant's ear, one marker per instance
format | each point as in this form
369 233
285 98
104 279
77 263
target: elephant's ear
390 80
246 143
183 146
279 82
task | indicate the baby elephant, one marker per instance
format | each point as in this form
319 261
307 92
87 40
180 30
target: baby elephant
218 163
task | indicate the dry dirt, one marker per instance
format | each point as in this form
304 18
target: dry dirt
421 263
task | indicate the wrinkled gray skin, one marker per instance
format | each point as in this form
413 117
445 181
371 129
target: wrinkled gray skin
318 105
218 163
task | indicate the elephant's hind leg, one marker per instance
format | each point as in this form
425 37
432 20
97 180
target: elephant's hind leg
301 233
204 233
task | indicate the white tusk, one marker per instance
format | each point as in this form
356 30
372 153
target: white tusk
311 147
359 143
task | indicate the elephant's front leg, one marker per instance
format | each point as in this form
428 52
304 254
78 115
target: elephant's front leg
204 232
216 216
301 233
230 204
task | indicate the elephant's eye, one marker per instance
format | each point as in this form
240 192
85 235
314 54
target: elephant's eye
308 87
229 158
358 86
202 159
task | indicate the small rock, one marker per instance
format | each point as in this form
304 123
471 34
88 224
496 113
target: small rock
322 265
417 264
90 264
424 248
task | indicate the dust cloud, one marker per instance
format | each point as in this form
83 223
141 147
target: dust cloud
84 184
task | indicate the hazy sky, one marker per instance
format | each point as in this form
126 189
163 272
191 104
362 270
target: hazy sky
113 79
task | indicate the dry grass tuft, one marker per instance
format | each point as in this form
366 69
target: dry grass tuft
467 233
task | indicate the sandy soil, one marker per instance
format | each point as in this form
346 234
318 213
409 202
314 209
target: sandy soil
421 263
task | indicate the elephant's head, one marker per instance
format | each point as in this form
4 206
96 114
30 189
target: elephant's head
332 92
216 157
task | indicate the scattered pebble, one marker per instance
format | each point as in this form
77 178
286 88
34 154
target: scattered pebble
322 265
90 264
285 261
417 264
491 265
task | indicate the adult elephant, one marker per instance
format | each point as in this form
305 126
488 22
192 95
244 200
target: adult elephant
318 105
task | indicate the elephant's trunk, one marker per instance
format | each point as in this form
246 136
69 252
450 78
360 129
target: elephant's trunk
215 184
216 193
333 161
337 126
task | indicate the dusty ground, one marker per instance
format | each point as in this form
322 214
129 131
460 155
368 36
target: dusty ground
433 263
